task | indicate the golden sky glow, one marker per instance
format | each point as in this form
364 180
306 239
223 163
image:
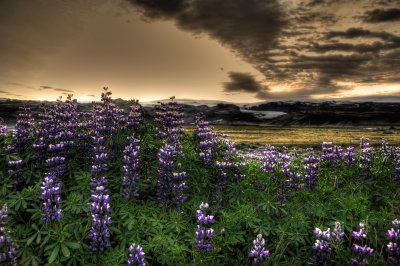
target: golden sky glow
54 48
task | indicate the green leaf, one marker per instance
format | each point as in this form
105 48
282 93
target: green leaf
65 250
73 245
30 240
54 254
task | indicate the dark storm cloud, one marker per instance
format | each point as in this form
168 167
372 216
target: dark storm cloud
382 15
248 27
360 32
242 82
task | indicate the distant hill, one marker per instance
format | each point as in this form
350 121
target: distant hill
296 114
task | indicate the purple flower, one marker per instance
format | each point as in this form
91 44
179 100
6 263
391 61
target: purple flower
366 154
8 253
51 190
393 247
204 232
337 232
360 248
396 176
258 253
3 128
321 247
99 210
311 169
328 152
170 183
207 140
135 116
136 256
169 120
131 168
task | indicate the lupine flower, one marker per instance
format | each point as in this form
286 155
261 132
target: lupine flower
228 167
360 248
169 120
366 154
321 247
136 256
328 152
393 247
3 128
385 147
396 176
204 232
23 131
170 183
337 232
100 209
135 116
311 169
258 253
349 156
130 170
51 198
269 160
8 253
207 140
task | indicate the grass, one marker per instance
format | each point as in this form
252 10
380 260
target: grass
304 136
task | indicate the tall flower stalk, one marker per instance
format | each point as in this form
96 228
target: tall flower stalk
170 183
360 248
131 167
311 169
207 140
393 247
322 248
8 252
136 256
258 252
204 232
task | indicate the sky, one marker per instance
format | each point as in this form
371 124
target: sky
238 50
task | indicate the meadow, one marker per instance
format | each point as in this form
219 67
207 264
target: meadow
304 136
105 187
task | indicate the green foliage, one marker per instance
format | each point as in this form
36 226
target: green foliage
167 234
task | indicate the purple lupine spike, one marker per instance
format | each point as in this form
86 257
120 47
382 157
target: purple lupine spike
393 247
100 209
258 252
8 252
385 148
130 169
135 115
170 183
311 169
396 176
51 198
366 154
337 232
349 156
169 120
136 256
207 140
328 152
204 232
23 130
3 128
321 247
360 248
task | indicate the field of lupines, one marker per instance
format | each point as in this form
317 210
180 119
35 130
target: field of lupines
107 188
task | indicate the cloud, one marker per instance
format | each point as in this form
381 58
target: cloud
56 89
382 15
243 82
248 27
